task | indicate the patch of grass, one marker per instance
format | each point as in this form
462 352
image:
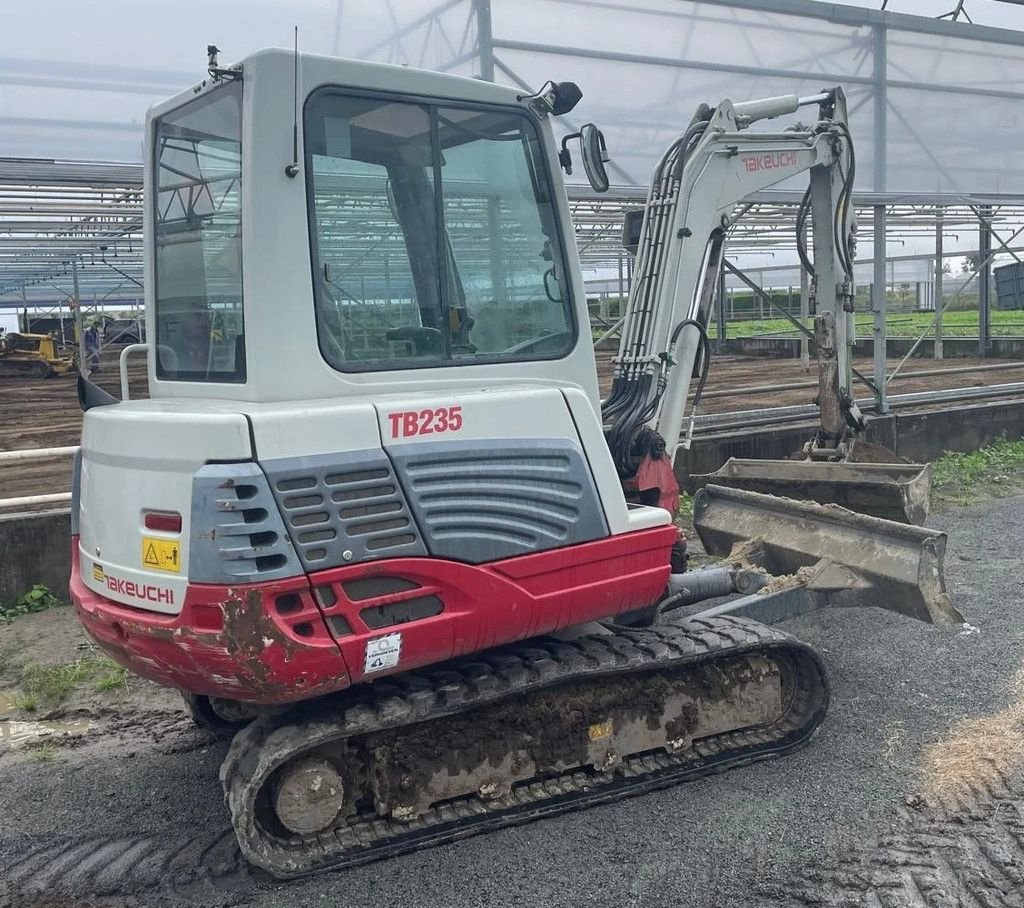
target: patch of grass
50 685
686 506
977 754
43 753
684 519
898 324
997 469
37 599
26 702
113 678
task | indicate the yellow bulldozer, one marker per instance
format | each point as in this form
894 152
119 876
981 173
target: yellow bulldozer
33 355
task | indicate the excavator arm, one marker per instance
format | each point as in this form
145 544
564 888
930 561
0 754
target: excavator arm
699 181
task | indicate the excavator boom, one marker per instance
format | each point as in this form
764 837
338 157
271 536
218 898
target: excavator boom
695 197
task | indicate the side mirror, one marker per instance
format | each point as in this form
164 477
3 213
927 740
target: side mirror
595 153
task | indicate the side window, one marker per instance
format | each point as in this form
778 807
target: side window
377 292
198 239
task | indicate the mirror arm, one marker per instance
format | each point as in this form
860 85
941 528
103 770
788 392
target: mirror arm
564 156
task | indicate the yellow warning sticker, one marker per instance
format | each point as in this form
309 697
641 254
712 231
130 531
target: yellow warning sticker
161 554
97 572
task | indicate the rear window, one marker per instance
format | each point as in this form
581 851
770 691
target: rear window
198 239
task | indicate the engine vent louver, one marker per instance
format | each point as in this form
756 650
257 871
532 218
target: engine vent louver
237 535
380 616
348 502
484 501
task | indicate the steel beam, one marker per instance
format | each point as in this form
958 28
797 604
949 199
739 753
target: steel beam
879 309
720 308
880 74
484 38
937 294
984 279
805 311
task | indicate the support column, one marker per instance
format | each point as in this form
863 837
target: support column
938 284
879 75
984 278
879 298
484 39
805 311
879 309
83 363
720 308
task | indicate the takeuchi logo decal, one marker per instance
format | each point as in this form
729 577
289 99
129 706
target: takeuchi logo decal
146 591
769 161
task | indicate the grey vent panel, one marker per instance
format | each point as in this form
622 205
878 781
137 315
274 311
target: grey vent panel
346 502
236 533
484 500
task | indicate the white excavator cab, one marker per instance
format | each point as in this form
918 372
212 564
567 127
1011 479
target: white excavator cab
415 199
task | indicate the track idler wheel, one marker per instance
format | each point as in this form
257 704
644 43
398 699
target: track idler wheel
309 796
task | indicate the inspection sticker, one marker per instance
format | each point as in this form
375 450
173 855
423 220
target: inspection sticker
161 554
382 653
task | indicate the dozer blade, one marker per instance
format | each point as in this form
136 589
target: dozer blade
892 491
823 556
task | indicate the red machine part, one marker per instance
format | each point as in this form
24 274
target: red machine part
655 481
293 639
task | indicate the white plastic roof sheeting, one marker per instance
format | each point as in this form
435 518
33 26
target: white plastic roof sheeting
936 106
941 104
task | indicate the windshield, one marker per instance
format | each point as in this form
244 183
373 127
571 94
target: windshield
434 235
198 239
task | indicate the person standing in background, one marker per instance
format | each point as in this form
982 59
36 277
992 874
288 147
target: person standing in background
92 348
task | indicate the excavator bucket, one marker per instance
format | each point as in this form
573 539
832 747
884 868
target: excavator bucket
819 556
892 491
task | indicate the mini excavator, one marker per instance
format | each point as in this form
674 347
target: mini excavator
375 519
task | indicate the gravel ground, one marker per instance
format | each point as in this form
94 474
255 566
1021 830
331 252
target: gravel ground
829 825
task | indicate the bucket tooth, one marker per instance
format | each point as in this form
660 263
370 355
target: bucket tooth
892 491
841 557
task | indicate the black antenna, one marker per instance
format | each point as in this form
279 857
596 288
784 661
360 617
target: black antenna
292 169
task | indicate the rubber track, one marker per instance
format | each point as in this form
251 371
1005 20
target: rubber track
487 678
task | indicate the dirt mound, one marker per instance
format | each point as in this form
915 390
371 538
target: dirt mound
864 452
869 452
